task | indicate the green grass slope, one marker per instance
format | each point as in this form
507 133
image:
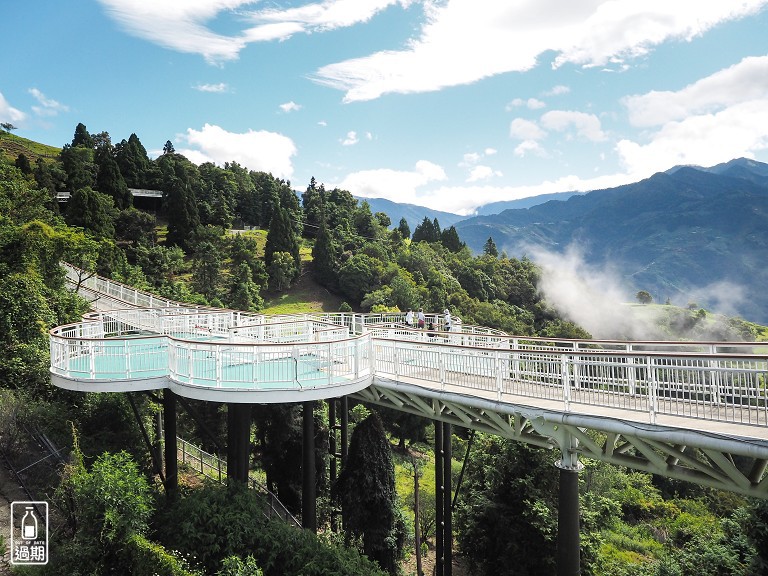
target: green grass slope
11 146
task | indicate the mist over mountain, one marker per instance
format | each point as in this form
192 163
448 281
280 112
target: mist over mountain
687 235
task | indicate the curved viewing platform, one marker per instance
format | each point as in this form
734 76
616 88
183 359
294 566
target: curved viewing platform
213 355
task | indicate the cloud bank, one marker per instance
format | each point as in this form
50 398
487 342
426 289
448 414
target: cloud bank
256 150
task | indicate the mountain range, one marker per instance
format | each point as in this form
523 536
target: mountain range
690 235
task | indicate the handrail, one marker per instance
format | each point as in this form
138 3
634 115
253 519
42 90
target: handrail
213 467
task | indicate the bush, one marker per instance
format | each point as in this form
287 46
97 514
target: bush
151 559
215 523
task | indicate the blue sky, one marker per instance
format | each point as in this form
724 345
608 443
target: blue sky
450 104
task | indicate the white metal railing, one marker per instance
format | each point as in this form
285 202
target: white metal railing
213 467
722 381
206 350
725 387
298 366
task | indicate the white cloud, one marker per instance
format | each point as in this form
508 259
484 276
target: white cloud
558 90
351 139
48 106
482 38
413 187
290 107
586 125
531 104
216 88
256 150
490 151
529 146
523 129
322 123
10 114
482 173
707 139
470 159
395 185
182 25
747 80
715 119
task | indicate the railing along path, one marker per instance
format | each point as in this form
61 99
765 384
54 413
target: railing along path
222 349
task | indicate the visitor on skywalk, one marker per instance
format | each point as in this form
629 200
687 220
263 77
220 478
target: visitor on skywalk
448 322
420 319
409 318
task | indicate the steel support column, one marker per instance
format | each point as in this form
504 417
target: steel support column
443 502
308 495
171 450
568 539
447 501
338 423
439 498
238 441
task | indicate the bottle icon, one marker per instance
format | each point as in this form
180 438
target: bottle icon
29 524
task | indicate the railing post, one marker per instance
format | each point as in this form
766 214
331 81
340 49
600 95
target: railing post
714 375
217 360
516 360
92 359
191 363
295 357
566 381
652 390
499 376
631 371
441 365
356 344
126 353
576 367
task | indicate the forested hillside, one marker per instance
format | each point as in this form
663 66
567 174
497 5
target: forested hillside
109 512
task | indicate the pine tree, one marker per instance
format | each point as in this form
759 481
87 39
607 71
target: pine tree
181 211
324 256
425 232
405 230
110 181
490 248
82 137
367 484
366 488
133 161
243 291
450 239
281 238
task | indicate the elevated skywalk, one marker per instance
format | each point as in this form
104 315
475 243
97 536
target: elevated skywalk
690 410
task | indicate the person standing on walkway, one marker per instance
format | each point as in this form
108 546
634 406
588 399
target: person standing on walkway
409 318
421 319
448 320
